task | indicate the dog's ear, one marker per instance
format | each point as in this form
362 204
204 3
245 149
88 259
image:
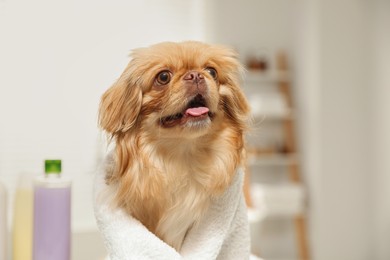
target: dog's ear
232 99
235 104
120 105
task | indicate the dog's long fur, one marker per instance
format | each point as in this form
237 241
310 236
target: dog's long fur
165 176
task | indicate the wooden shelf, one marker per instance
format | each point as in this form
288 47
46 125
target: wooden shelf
270 97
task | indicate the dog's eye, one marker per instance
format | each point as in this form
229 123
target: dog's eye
212 72
164 77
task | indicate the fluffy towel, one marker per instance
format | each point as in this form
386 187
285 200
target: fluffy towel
222 234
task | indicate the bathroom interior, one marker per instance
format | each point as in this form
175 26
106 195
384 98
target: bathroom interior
58 57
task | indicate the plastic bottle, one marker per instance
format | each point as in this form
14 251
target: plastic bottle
3 223
52 211
23 220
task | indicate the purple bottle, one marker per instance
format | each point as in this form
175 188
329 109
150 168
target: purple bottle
52 207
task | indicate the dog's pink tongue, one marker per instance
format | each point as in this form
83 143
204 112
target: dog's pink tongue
197 111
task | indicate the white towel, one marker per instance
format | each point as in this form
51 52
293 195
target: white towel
223 233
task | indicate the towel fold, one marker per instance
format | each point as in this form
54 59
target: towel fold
223 233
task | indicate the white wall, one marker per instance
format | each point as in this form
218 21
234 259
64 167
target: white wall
381 130
308 84
252 26
345 67
336 70
345 183
57 58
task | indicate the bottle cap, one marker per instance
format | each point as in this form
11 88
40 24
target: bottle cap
52 166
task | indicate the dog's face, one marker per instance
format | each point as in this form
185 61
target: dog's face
176 90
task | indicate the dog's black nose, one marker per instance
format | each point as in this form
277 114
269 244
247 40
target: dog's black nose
193 76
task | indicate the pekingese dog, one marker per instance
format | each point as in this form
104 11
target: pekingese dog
177 116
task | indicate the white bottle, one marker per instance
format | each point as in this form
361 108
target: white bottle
23 220
3 223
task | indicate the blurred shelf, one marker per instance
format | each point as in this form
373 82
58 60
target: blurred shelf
255 215
285 114
269 105
261 77
277 201
272 159
270 98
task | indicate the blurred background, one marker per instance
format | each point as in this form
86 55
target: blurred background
58 57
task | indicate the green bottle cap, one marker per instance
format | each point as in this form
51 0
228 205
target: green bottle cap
53 166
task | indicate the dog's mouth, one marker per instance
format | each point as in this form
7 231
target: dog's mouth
196 110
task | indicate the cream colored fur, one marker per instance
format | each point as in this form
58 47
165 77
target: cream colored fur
166 176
